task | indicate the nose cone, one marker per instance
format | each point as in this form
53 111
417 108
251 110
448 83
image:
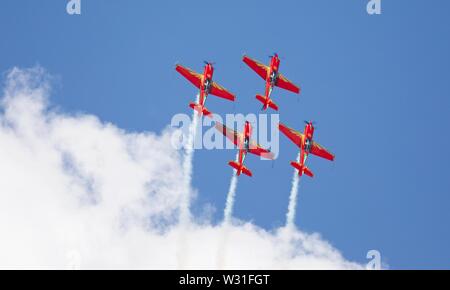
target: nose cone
208 69
248 128
311 131
275 62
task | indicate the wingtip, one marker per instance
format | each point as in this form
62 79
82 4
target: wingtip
268 155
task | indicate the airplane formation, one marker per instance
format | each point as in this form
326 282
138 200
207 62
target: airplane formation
273 78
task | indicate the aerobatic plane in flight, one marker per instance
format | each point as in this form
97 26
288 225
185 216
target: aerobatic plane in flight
245 145
206 86
272 77
307 146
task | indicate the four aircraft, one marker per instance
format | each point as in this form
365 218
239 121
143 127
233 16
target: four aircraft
243 141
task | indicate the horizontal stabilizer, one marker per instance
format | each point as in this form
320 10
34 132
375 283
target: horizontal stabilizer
267 102
302 169
240 168
201 110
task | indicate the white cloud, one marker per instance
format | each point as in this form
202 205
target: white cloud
78 192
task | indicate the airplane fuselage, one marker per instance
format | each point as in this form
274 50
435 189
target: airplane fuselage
272 75
247 135
306 143
205 87
245 147
271 79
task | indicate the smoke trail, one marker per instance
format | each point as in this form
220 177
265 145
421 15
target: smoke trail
185 215
228 212
227 215
290 216
187 169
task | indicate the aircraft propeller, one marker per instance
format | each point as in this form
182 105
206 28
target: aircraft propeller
310 122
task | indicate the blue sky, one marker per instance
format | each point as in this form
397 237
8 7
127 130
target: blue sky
376 85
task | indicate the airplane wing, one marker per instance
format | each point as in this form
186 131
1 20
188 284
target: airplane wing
286 84
190 75
259 68
256 149
318 150
292 134
218 90
232 135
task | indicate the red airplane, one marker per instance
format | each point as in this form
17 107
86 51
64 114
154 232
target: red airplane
272 77
245 145
307 145
206 86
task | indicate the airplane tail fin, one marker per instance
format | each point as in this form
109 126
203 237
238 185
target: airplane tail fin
240 168
267 102
201 110
302 169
